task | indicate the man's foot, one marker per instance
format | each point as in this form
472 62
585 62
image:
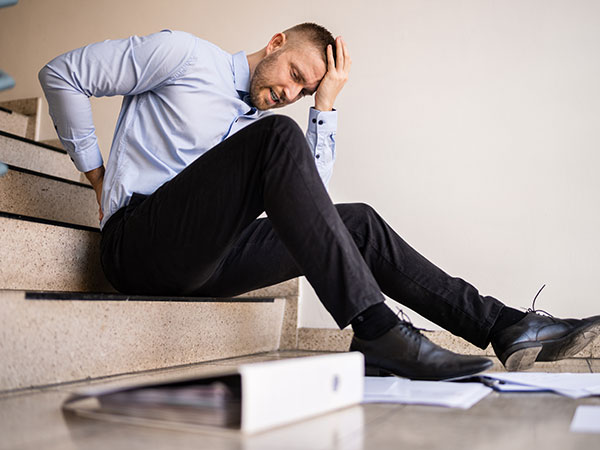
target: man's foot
543 338
405 352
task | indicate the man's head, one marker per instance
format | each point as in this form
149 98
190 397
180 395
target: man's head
291 66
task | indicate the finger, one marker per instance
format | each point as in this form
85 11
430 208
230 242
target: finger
339 53
347 59
330 60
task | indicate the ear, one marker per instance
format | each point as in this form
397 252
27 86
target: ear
276 42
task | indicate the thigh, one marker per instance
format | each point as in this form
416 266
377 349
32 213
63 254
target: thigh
175 238
257 259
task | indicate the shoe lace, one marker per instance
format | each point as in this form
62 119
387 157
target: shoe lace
538 311
408 325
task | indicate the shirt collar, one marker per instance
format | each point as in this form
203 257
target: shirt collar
241 72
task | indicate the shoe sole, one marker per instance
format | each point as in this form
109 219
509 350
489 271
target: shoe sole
523 356
372 369
570 344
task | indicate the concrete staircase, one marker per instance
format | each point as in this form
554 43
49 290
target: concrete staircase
21 117
61 320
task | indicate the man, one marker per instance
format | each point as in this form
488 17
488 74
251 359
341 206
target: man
197 157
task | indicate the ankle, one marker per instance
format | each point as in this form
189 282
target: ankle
507 317
374 322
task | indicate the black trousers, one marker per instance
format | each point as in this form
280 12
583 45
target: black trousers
199 235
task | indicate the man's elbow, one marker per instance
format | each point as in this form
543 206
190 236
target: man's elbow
43 75
46 76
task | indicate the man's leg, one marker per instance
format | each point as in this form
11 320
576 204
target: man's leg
173 241
259 259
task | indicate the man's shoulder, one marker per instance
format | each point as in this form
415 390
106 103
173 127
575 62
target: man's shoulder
184 38
173 38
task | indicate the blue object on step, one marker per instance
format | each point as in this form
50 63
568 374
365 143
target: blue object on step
3 169
6 81
4 3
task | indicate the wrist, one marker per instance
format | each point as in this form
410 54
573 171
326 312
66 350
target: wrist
320 107
95 176
323 103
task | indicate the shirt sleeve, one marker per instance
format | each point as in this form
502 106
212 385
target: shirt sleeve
115 67
322 126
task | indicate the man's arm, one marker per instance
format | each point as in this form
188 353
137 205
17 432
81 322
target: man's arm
119 67
322 120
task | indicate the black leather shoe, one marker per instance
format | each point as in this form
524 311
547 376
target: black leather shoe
405 352
543 338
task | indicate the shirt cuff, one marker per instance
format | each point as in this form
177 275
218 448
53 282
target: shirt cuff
322 121
88 159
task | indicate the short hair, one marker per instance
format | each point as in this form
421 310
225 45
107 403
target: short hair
314 34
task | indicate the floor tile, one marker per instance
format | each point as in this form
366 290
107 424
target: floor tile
500 421
594 365
33 420
573 365
579 365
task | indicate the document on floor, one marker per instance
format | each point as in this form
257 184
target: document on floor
573 385
586 419
438 393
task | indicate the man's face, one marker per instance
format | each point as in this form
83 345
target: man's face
285 76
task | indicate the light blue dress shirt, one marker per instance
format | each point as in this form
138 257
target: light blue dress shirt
182 96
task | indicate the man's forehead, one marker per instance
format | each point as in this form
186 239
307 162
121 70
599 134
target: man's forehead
310 63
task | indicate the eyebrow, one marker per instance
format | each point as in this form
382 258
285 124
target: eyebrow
303 79
299 72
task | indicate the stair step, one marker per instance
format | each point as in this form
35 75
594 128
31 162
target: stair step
57 144
52 340
45 255
27 154
26 114
35 194
39 254
12 122
53 143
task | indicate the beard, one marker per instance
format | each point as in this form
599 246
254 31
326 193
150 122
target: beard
260 80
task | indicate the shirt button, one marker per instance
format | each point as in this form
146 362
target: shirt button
314 120
320 122
317 156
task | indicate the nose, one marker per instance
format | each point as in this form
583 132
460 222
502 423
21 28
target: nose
292 91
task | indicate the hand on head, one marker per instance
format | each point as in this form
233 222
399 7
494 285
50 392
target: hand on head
336 76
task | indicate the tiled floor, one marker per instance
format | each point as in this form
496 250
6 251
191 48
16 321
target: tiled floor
33 420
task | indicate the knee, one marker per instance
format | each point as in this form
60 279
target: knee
356 210
359 217
284 128
280 122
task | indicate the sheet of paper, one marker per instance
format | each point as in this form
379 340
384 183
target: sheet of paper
439 393
511 387
573 385
586 419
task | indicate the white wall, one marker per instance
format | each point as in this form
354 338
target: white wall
471 126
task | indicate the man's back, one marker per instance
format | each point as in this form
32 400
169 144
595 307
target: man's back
182 97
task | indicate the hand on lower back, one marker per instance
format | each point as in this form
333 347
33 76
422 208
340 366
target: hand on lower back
96 178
